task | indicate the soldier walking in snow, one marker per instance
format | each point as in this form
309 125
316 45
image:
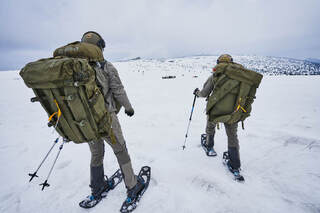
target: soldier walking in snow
82 94
230 92
231 129
114 93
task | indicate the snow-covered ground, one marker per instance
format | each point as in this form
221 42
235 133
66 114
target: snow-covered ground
280 147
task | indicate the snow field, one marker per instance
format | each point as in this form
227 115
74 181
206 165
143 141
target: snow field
279 148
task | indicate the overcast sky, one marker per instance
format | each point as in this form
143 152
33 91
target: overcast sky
32 29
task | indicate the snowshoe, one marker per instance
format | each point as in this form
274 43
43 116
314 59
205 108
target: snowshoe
134 195
208 150
92 200
235 172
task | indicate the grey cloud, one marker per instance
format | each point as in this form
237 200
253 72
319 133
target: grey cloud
162 28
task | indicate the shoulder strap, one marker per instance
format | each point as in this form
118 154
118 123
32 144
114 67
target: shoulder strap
102 64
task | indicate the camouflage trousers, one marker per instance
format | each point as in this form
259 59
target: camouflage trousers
119 149
231 130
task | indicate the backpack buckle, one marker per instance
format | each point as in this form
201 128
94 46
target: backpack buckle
35 99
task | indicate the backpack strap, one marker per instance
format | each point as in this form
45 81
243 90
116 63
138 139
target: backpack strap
218 126
102 64
107 121
240 104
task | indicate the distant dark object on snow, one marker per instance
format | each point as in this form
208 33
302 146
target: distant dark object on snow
171 61
168 77
134 59
195 76
313 60
129 59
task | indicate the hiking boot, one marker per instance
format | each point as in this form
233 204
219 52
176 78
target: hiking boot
211 152
207 143
99 183
210 141
237 170
234 157
96 196
99 192
134 192
229 164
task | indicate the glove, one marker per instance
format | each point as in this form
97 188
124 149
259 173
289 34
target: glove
196 91
129 112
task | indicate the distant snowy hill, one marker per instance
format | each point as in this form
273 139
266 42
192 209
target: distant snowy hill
313 60
262 64
280 146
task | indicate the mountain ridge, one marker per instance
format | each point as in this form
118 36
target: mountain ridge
267 65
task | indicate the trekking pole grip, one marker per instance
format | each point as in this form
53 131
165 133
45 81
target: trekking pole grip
194 102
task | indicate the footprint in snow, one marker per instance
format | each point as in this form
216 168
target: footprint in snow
307 142
153 181
209 186
63 164
6 197
4 147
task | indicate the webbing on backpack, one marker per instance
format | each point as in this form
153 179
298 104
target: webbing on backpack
240 107
58 113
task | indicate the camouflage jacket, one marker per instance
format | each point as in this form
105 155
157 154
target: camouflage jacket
111 86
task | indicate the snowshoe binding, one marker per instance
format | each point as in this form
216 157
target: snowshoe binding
208 150
235 172
92 200
134 195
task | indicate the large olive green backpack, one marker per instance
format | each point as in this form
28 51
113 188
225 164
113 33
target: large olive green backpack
66 87
233 94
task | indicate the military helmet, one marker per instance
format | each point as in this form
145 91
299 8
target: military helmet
93 38
225 58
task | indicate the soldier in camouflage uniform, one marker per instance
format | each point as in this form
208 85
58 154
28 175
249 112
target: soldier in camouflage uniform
231 129
113 90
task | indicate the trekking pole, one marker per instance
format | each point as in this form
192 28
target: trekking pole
45 183
35 173
185 140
